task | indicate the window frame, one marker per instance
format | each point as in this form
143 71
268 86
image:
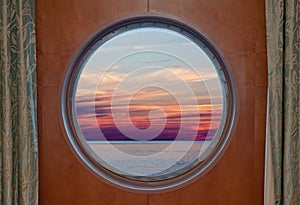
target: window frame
84 154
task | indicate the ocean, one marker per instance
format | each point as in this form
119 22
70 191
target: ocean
147 158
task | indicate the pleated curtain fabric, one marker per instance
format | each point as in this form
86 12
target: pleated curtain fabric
18 130
283 41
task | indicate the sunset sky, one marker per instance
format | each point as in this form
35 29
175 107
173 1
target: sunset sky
149 84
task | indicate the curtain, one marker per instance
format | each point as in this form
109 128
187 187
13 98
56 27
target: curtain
283 45
18 131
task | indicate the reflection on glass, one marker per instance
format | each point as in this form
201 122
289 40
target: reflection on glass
149 104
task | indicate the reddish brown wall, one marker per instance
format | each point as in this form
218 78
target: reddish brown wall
237 28
62 26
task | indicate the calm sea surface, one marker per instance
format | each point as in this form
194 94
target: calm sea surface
148 158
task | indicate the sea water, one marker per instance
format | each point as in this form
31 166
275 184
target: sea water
148 158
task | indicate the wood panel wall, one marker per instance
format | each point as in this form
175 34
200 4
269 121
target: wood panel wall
237 29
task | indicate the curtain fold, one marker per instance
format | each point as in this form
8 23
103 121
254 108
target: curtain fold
283 41
18 130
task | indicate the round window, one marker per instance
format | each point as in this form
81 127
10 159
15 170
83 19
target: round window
148 103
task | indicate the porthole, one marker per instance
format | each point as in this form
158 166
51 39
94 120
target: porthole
148 104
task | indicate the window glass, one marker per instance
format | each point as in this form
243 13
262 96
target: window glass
149 101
